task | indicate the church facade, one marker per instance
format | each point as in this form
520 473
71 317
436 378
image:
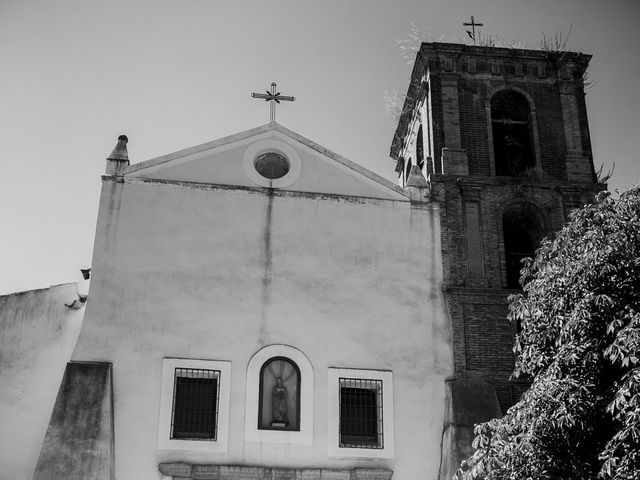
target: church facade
254 313
261 307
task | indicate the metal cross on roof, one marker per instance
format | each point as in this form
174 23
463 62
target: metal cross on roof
273 97
473 26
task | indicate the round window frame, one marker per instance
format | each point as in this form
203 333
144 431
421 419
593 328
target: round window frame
265 146
272 163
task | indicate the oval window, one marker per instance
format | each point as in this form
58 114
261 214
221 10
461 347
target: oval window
272 165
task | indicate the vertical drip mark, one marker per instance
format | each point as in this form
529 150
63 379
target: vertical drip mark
267 272
113 211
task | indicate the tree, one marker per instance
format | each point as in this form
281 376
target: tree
579 322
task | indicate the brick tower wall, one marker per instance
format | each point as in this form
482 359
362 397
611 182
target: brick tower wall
450 95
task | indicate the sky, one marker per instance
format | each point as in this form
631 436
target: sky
76 74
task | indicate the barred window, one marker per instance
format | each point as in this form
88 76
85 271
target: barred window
196 396
361 419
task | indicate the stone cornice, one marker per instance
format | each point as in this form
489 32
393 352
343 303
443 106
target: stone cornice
241 472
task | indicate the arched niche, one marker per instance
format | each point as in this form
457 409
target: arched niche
265 421
512 130
522 231
279 397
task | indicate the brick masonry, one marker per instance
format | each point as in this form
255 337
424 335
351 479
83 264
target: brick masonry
459 81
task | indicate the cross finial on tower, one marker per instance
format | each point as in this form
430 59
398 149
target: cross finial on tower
274 97
473 26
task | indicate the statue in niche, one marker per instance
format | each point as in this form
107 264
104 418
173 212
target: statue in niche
279 414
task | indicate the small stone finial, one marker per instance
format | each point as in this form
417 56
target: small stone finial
120 151
118 161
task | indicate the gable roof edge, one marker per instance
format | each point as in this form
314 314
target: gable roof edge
342 160
371 176
198 148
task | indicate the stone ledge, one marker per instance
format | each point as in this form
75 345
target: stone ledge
184 471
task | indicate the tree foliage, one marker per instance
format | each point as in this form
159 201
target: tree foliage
579 317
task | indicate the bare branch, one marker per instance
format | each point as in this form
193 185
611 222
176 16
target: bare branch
603 177
556 46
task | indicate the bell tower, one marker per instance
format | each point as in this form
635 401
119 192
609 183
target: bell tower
502 136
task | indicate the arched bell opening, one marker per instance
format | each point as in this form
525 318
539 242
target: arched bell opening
512 132
523 231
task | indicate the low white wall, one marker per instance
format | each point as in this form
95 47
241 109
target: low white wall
37 335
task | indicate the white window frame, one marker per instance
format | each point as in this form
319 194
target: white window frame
165 442
251 431
333 413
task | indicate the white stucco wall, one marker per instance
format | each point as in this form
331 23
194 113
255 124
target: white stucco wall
37 336
201 272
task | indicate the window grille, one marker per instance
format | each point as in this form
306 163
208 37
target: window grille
361 413
196 394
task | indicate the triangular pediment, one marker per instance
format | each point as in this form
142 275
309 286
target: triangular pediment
230 161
